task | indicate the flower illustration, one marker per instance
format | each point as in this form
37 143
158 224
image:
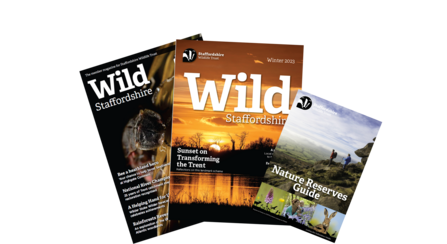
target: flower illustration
269 197
281 200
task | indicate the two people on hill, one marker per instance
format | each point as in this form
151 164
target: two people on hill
347 160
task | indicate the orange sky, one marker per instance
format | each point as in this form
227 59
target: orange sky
239 57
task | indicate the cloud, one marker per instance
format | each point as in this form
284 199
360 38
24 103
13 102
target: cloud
216 121
345 132
178 121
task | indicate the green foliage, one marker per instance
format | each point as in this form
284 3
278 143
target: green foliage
310 174
341 182
333 174
279 199
312 162
308 155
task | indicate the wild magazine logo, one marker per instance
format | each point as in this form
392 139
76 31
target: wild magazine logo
305 103
189 55
220 104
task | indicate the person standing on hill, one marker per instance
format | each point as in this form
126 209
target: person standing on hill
347 161
333 155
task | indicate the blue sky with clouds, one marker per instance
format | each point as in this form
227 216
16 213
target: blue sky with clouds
345 132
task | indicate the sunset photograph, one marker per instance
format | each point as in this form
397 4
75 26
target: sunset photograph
231 104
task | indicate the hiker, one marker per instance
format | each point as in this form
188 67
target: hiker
347 161
333 155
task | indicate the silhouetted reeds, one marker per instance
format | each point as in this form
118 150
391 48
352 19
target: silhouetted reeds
181 197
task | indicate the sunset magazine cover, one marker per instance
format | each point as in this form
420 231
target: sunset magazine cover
131 101
230 104
316 166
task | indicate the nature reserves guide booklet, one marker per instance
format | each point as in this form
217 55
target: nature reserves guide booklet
131 101
231 101
316 166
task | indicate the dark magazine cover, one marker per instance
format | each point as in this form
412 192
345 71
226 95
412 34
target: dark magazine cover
131 101
230 104
317 165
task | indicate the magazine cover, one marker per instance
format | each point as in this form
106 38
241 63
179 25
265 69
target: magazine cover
316 166
231 102
131 101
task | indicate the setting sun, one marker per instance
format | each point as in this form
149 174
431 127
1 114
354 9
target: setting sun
214 147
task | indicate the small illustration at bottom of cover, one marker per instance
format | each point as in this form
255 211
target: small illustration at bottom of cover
298 211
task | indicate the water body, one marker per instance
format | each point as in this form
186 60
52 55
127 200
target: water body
214 188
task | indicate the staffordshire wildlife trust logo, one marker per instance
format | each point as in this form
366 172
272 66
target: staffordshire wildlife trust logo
305 103
189 55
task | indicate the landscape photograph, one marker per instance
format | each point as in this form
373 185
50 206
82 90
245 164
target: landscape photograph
230 122
308 141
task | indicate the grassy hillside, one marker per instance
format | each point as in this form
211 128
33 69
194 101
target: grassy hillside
332 177
304 150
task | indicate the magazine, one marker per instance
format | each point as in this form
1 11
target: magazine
231 102
131 101
316 166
